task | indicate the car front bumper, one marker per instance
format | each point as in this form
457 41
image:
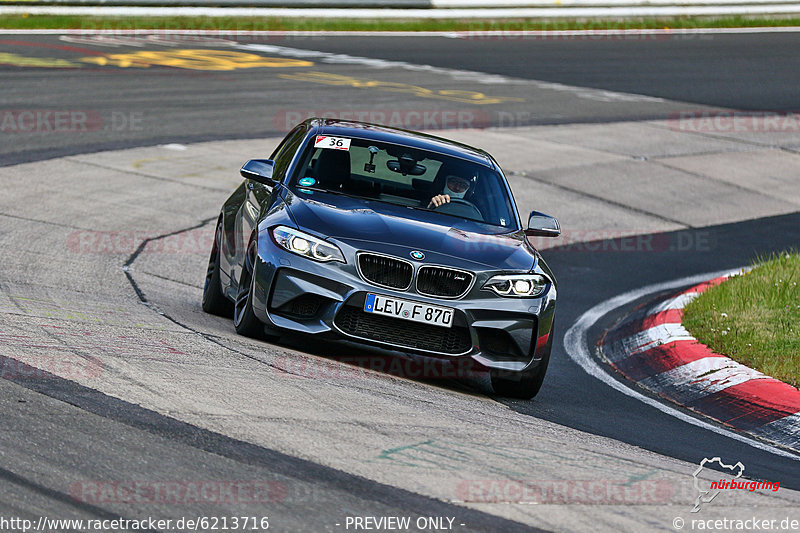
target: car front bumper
327 299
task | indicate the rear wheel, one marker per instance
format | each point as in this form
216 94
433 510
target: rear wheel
524 385
214 301
244 319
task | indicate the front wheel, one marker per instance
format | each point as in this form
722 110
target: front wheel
214 301
244 319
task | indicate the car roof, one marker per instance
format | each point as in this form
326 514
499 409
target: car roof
422 141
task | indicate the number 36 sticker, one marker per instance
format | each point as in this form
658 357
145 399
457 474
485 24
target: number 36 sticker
336 143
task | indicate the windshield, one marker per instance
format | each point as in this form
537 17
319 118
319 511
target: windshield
405 176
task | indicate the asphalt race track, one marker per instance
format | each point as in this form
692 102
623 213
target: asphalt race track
691 72
170 400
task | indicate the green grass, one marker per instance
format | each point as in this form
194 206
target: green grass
302 24
754 318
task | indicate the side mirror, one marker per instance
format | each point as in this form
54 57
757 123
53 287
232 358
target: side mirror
259 170
541 225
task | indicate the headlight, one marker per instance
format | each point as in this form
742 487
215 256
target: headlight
306 245
518 285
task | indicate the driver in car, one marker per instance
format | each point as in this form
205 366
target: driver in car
454 187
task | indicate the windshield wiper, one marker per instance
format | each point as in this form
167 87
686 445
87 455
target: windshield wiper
340 193
324 190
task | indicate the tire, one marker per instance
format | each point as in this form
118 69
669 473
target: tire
214 302
523 385
244 319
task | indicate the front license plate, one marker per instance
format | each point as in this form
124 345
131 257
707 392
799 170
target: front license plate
414 311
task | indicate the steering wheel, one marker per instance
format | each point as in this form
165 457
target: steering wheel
460 207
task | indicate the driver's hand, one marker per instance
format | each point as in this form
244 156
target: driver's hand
438 200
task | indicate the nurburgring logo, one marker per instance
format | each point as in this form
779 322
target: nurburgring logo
707 495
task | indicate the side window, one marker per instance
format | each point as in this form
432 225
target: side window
284 153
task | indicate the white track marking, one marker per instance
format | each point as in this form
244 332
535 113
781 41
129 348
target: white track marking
452 4
381 64
598 95
447 34
576 346
389 13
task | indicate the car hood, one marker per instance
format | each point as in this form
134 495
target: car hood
397 230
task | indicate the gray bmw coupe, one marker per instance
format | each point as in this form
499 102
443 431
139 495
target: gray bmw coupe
391 238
